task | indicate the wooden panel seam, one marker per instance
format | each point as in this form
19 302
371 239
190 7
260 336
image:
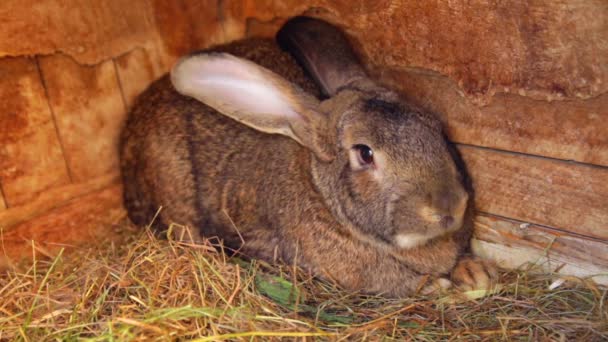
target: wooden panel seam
2 201
31 158
88 32
136 71
569 129
531 155
53 198
48 103
541 182
548 229
494 228
89 112
513 244
120 87
89 218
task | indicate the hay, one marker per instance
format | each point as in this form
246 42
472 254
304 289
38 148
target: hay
153 289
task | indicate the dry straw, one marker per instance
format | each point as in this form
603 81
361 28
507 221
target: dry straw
147 289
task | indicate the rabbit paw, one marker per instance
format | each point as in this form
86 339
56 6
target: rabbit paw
474 274
436 285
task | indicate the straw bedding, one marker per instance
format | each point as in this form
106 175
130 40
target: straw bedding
140 287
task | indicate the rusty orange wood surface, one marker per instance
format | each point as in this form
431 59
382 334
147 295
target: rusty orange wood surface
547 49
31 157
568 196
136 70
513 243
572 129
89 31
52 199
89 113
555 243
83 220
2 204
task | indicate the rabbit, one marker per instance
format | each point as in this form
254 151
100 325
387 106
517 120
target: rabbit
298 156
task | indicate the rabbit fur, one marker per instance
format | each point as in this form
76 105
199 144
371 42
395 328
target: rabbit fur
268 151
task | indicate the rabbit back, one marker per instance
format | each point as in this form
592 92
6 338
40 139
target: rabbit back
179 154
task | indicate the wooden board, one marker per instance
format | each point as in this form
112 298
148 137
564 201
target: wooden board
89 31
86 219
547 49
515 244
136 70
53 198
31 158
187 25
2 204
569 130
515 257
506 118
510 119
568 196
89 112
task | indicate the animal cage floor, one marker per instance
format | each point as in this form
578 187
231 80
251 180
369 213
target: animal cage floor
140 287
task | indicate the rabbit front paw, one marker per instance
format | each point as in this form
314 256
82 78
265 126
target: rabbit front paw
472 273
437 285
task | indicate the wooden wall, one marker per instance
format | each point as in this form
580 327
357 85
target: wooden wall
70 71
522 88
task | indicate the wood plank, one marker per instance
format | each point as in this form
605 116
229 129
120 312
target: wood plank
52 199
511 257
259 28
2 204
568 196
89 31
136 70
31 159
547 49
89 113
187 25
85 219
569 130
501 113
513 244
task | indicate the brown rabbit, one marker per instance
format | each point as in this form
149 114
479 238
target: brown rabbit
360 187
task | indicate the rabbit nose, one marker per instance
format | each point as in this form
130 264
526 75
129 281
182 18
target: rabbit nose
446 222
448 207
445 208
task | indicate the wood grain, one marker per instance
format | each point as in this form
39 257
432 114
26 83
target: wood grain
512 257
89 112
86 219
566 125
187 25
52 199
31 158
514 244
547 49
569 130
492 102
136 70
2 204
89 31
568 196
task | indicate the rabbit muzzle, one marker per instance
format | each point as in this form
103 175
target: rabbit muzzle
442 214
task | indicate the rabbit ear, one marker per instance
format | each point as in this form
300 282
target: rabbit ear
323 51
255 96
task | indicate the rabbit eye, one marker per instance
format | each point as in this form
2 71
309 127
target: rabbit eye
365 153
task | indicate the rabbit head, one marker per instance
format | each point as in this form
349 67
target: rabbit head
383 167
